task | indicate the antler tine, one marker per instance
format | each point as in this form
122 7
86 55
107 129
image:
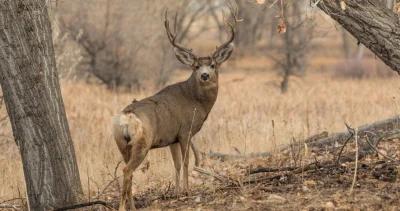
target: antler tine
231 25
232 37
171 36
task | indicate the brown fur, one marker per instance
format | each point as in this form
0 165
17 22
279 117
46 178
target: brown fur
174 110
171 117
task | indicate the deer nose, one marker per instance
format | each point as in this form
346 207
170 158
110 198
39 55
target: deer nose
205 76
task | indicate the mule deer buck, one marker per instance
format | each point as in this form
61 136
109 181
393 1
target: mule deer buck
172 116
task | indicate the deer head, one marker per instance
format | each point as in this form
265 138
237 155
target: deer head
205 69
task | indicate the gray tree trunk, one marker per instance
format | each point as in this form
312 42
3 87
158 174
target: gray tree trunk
390 4
377 27
29 80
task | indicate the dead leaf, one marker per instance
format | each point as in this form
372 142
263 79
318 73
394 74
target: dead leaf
343 5
330 205
276 199
281 26
397 7
310 183
260 1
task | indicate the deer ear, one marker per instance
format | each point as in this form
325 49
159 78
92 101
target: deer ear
222 54
184 56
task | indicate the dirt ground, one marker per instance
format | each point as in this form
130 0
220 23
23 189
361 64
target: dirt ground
325 185
245 128
317 190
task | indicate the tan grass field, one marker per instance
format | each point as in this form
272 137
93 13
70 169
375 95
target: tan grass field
247 104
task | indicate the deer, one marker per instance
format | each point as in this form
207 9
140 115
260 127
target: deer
170 117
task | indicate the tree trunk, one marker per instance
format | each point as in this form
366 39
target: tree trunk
32 95
390 4
377 27
285 81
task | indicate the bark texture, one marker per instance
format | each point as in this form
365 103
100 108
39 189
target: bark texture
34 104
375 26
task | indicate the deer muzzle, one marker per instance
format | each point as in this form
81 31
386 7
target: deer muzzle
205 76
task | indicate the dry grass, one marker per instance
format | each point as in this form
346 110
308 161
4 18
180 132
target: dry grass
241 118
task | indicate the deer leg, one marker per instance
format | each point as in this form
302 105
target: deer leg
176 156
130 203
185 157
196 154
138 153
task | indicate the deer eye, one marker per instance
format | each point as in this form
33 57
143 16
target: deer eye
212 66
196 67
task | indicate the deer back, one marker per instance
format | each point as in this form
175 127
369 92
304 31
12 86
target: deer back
172 113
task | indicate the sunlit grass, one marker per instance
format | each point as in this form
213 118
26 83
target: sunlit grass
241 118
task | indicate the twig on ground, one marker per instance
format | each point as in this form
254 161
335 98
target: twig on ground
377 151
269 170
10 206
256 179
216 176
224 157
351 131
86 204
356 162
114 179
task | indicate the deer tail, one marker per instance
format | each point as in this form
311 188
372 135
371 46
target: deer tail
126 128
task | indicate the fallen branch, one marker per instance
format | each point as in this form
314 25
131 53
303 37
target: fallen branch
377 151
209 173
10 206
270 170
251 179
296 170
382 130
352 132
86 204
379 128
216 176
261 176
225 157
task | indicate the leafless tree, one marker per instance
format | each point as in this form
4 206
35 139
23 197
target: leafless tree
105 54
121 42
255 18
292 58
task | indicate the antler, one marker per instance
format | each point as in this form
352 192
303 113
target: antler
231 25
229 41
172 37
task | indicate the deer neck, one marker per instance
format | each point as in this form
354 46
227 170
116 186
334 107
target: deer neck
205 95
